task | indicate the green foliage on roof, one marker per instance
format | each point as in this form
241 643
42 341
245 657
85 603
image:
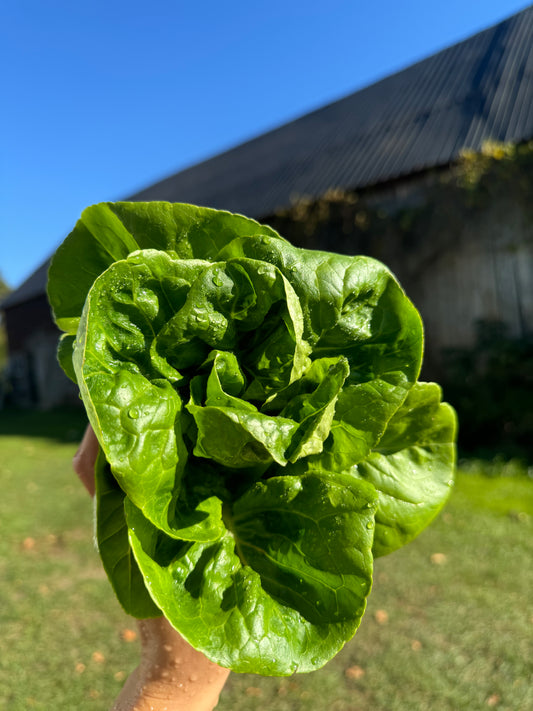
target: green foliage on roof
354 220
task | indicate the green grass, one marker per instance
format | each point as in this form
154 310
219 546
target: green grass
450 632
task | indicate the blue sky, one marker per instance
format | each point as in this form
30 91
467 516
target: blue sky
102 98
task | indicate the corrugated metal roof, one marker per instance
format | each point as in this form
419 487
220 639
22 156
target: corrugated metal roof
419 118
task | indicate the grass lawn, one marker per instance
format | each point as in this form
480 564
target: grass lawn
448 625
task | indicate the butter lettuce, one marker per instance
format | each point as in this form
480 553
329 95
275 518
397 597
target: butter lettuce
263 435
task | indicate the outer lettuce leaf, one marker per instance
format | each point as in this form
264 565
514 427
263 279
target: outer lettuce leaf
412 467
283 588
114 548
108 232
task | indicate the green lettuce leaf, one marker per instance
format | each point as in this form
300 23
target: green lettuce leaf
412 467
114 548
109 232
283 588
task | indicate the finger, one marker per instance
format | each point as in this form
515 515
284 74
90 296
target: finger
85 459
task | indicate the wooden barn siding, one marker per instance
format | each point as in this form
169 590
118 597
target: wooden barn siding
461 270
482 272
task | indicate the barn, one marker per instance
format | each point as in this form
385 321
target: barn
374 173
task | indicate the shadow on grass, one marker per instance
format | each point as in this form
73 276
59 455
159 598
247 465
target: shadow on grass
65 424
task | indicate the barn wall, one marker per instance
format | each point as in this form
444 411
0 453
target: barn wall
25 319
460 261
482 272
34 375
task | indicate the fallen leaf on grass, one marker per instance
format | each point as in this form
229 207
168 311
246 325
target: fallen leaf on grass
254 691
28 543
438 558
520 516
80 668
98 657
493 700
354 672
129 635
381 617
120 675
416 645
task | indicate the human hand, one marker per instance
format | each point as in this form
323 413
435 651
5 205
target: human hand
171 674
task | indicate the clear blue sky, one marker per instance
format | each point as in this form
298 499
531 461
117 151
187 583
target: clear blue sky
102 98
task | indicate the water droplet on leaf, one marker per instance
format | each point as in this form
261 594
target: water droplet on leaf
217 280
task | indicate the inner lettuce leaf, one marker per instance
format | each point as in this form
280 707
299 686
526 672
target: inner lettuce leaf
263 435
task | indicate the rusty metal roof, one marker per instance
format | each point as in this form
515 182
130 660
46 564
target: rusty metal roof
419 118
